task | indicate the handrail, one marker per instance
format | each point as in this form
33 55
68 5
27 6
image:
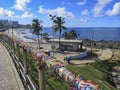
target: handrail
31 83
16 61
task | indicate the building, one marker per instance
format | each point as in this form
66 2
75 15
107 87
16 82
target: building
9 23
70 45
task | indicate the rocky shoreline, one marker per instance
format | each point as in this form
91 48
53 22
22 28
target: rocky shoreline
102 44
114 77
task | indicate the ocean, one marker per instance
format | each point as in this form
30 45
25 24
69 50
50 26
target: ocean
95 33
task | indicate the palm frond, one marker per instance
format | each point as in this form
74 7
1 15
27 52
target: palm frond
36 26
56 28
63 27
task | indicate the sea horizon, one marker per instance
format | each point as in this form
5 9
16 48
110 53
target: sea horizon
100 33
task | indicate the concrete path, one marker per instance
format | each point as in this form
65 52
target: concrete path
8 78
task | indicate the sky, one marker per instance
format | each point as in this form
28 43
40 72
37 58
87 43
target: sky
77 13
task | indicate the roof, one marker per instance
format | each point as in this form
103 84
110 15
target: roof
66 41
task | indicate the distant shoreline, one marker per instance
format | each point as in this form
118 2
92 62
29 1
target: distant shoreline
100 34
102 44
86 42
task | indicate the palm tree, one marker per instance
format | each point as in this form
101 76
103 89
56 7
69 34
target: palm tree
58 26
74 34
66 35
37 27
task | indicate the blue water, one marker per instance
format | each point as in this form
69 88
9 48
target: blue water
100 33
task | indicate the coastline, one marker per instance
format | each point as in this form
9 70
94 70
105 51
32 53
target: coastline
17 35
102 44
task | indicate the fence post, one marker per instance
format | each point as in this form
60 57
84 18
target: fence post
25 67
41 77
13 45
10 43
18 52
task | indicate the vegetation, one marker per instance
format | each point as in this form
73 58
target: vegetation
73 34
58 26
66 35
37 27
97 72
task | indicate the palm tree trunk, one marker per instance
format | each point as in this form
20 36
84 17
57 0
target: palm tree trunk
59 38
38 41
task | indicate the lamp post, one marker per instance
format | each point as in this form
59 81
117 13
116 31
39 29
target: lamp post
92 41
11 25
53 45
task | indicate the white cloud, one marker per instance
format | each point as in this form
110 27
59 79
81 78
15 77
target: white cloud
21 4
115 11
7 13
100 6
11 14
27 15
81 3
59 11
84 20
85 12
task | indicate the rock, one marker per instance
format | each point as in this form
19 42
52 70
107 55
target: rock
118 86
114 74
115 80
118 78
102 44
114 77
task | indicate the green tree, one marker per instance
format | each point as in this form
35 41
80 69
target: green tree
37 27
66 35
74 34
58 26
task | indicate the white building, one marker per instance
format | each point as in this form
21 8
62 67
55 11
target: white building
70 45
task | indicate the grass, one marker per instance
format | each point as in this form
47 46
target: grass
97 72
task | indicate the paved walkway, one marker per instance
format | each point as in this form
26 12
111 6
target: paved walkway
8 79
